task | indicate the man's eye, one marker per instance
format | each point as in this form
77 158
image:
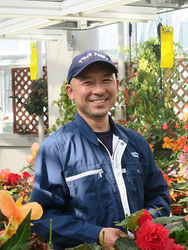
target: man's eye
87 83
107 80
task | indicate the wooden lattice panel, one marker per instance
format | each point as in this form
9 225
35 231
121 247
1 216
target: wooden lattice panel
21 84
181 90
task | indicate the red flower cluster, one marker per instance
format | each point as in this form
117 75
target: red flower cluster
154 237
12 178
19 185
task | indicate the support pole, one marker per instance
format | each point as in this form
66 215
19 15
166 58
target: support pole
121 69
40 75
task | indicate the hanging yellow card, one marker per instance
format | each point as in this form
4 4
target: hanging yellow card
33 64
167 47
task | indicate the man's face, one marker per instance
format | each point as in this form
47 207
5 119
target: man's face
94 91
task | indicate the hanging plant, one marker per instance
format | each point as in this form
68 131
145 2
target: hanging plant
38 98
67 109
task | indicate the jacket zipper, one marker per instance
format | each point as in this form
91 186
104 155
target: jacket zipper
78 176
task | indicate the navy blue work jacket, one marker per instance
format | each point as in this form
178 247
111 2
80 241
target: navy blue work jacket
83 188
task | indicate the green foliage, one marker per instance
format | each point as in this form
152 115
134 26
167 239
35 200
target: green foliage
126 243
38 98
19 241
168 220
67 109
86 246
150 92
179 234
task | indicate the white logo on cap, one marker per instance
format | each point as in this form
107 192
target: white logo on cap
95 54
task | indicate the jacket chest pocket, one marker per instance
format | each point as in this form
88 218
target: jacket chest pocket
135 176
89 191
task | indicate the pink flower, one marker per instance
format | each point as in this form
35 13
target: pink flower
186 217
152 236
145 216
34 148
4 173
31 180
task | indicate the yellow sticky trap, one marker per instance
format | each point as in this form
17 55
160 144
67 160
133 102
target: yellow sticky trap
33 64
167 47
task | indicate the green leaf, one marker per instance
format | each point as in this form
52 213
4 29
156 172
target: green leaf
19 240
82 247
124 243
131 221
168 220
184 200
178 233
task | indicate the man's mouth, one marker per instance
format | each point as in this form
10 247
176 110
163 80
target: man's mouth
99 101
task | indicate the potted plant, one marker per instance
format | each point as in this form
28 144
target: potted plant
38 98
149 94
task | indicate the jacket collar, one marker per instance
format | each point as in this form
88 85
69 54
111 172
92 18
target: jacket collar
88 132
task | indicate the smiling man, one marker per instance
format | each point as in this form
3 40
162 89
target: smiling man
92 172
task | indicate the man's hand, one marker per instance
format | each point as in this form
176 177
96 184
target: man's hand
110 236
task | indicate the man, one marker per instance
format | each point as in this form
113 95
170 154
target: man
92 172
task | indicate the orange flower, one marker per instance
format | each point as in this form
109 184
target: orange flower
167 142
34 148
5 118
176 146
15 212
151 146
173 195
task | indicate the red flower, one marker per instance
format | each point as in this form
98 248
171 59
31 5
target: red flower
186 126
177 126
26 175
173 246
139 132
165 126
152 237
13 179
145 216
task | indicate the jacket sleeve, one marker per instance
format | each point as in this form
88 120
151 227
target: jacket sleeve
156 189
50 190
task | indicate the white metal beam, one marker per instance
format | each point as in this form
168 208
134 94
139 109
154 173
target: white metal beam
90 6
29 26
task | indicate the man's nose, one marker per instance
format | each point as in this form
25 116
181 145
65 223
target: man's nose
98 88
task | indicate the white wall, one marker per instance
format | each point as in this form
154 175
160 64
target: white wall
13 151
59 60
15 148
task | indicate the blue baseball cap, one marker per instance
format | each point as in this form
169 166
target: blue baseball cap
85 59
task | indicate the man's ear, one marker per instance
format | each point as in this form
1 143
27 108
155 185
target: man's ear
69 91
117 82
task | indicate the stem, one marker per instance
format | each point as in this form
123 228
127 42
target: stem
187 214
103 232
50 239
6 230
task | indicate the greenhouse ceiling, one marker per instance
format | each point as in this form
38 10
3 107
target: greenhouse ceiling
46 19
